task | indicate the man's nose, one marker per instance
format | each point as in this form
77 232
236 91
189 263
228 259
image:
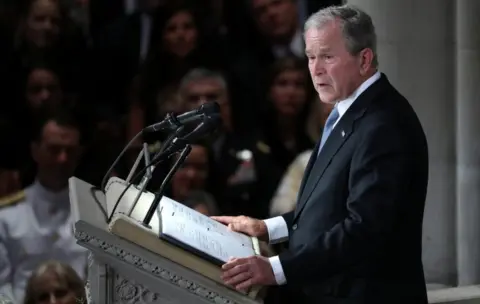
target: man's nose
191 172
318 67
53 299
48 24
62 157
45 94
290 88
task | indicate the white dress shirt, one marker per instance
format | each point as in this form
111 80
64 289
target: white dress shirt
32 231
276 226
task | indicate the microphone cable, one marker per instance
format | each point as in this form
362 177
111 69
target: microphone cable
157 160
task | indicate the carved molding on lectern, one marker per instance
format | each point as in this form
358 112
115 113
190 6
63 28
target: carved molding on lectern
156 270
129 292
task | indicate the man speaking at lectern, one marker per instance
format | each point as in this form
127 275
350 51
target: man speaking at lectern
356 233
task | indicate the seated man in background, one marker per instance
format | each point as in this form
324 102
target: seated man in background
36 224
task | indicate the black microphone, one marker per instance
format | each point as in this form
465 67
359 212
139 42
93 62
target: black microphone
172 122
208 125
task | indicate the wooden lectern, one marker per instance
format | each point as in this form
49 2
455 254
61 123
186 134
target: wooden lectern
126 266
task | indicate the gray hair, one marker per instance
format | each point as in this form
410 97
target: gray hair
357 26
199 74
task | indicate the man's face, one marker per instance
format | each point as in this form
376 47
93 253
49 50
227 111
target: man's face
42 26
200 92
193 173
335 72
57 152
43 88
276 19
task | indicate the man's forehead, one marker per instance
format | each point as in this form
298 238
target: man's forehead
54 130
204 84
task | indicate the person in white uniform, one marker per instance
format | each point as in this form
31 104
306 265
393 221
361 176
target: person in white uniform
35 224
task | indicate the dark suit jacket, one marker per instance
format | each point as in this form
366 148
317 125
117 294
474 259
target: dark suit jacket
356 233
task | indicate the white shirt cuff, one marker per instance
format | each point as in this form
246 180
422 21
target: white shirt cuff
277 229
277 270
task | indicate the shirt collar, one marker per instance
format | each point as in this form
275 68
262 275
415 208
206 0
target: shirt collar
342 106
48 198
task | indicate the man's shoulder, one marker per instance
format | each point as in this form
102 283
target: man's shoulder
13 200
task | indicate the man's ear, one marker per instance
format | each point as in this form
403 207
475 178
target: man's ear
365 60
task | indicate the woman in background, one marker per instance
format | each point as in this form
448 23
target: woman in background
55 282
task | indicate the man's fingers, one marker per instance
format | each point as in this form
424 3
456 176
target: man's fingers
235 226
245 285
232 262
223 219
233 268
238 279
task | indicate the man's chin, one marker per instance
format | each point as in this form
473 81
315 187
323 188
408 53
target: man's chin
327 98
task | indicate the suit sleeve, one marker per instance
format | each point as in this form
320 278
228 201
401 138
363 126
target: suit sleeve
6 287
288 217
378 177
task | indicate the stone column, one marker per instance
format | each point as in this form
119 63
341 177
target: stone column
468 141
415 48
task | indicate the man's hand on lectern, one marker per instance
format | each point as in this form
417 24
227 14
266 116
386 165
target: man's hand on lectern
245 224
243 273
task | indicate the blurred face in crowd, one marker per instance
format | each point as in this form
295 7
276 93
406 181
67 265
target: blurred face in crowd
169 101
180 34
42 24
43 88
192 175
149 6
206 90
49 289
202 208
276 19
288 92
56 154
336 73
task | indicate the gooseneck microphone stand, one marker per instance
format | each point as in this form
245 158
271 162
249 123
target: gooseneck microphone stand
148 165
159 195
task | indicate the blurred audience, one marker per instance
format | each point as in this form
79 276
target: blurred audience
45 230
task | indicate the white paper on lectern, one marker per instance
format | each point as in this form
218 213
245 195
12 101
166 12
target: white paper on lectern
202 233
181 223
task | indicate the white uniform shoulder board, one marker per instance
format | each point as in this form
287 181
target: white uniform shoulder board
12 199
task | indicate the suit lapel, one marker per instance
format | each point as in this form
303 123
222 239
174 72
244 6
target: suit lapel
311 163
334 143
339 135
